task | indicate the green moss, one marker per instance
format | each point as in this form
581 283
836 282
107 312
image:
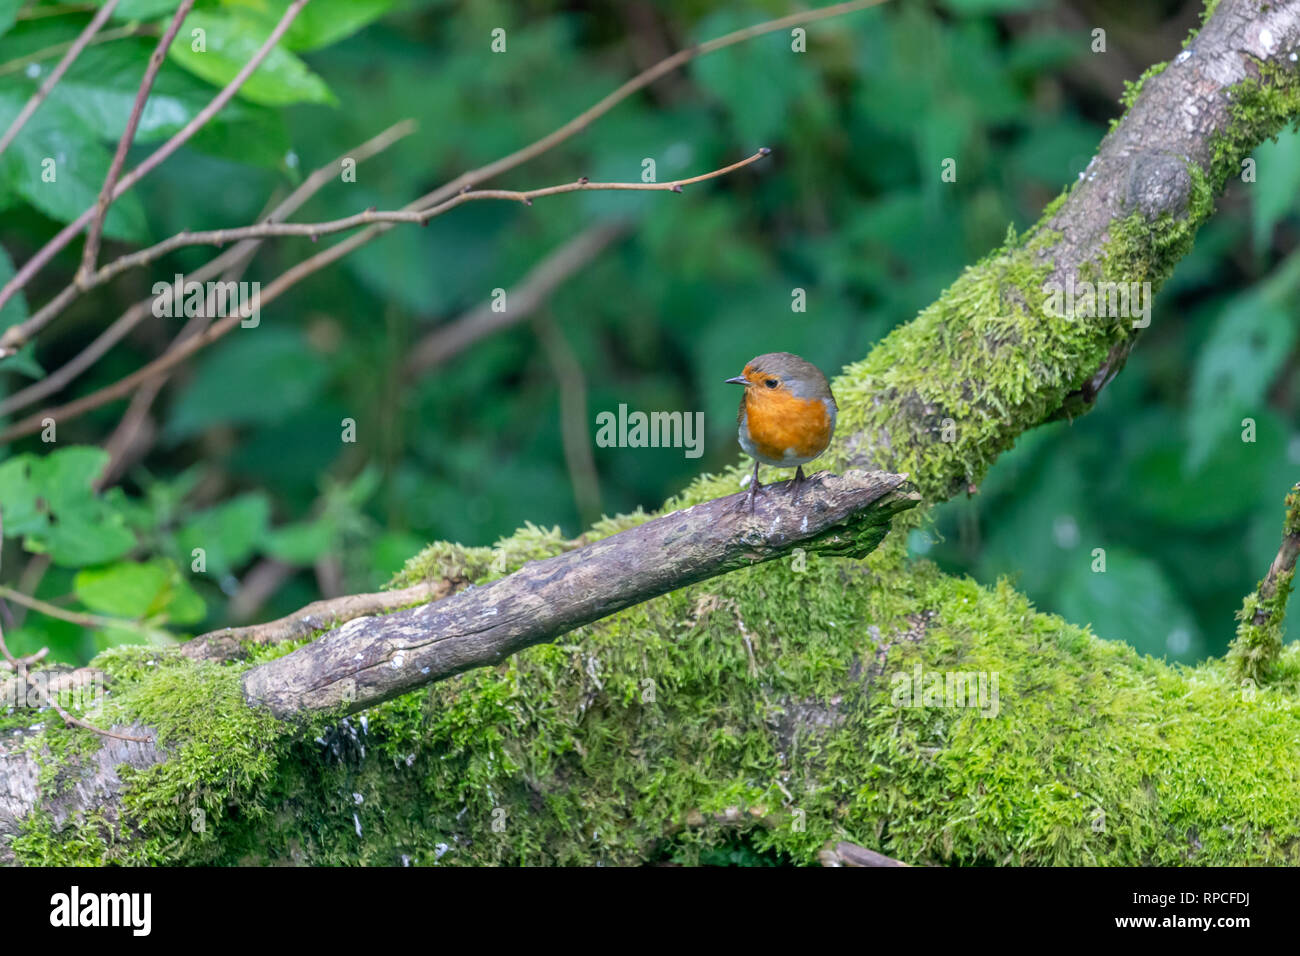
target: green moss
44 844
1260 110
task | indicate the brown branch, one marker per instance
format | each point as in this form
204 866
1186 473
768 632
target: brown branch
20 664
242 252
91 251
72 617
520 156
370 660
17 335
574 433
37 98
634 85
314 230
182 350
850 854
229 643
544 278
1258 643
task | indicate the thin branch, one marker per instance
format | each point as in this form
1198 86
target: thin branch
72 617
850 854
17 335
574 433
454 337
37 98
374 659
182 350
20 664
90 253
118 330
314 230
230 643
12 339
1258 643
634 85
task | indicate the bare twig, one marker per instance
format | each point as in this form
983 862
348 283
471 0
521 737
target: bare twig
241 252
314 230
72 617
229 643
17 335
37 98
183 350
574 434
91 251
634 85
13 339
20 664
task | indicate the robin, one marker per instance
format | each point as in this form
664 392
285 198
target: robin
787 414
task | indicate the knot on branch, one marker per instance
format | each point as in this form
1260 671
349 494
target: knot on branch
1158 182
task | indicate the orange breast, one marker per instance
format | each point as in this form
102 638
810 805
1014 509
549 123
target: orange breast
780 421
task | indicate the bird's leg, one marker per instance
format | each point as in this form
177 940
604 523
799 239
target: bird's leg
796 482
753 487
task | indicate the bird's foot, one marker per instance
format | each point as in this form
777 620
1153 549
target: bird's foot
796 483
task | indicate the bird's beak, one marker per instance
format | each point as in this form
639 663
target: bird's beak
738 380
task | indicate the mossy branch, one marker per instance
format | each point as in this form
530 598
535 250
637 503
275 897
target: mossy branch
370 660
1258 645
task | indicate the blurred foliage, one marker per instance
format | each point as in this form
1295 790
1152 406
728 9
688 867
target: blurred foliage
247 463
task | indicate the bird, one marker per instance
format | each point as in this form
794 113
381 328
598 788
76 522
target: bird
787 414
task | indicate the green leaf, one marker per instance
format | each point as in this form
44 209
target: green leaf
138 590
78 527
323 22
231 40
128 590
1156 482
144 9
249 134
184 606
8 13
101 86
18 495
56 143
228 534
758 80
66 477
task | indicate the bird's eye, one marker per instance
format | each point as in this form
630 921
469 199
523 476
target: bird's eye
771 383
